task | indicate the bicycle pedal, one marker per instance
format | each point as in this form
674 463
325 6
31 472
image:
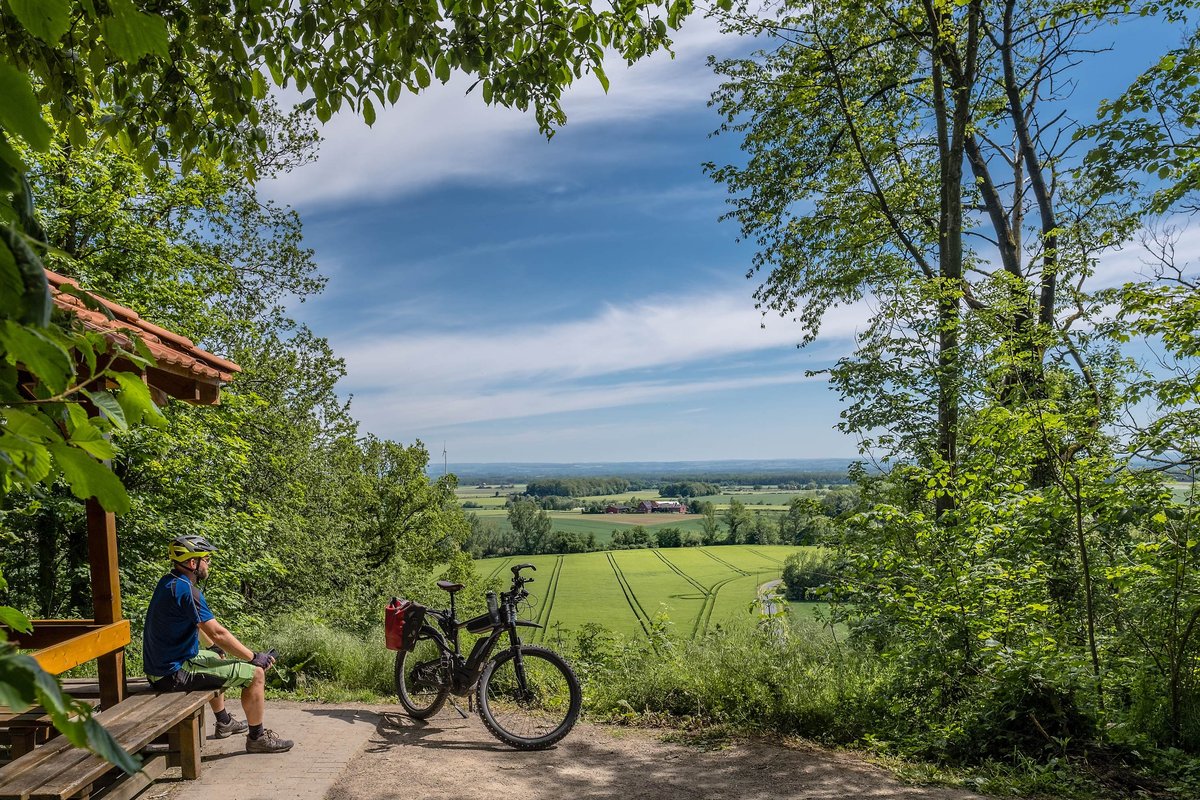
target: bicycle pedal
454 705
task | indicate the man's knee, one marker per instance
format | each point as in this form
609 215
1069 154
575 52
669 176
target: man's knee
260 677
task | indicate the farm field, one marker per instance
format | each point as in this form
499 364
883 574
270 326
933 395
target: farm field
486 497
624 590
601 525
761 498
772 499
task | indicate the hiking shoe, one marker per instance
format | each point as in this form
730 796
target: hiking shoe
234 725
269 742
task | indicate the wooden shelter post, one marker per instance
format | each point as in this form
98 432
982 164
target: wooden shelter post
106 596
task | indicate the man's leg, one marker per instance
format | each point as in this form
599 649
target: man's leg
254 697
252 681
208 670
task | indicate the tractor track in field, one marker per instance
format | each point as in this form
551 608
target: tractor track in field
500 566
639 613
705 591
765 557
712 600
551 589
725 563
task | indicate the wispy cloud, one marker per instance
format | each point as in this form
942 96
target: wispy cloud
665 331
405 413
666 348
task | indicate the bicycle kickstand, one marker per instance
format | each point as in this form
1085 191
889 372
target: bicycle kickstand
456 708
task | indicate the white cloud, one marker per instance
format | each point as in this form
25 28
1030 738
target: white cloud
444 135
397 414
654 351
1135 262
667 331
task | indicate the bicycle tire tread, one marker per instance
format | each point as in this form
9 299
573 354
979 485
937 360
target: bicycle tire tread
542 742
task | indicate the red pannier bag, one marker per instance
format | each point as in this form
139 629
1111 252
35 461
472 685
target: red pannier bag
402 622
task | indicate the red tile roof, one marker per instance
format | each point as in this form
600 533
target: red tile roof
174 353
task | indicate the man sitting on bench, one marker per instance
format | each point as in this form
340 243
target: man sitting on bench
175 662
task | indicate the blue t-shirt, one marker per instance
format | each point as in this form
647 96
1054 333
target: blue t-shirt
171 636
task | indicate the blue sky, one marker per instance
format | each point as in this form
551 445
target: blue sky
514 299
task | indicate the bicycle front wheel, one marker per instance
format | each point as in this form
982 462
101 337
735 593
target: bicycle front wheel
529 698
422 684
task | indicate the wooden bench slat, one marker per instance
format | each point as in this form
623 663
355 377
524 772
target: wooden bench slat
132 734
63 773
56 771
133 785
22 775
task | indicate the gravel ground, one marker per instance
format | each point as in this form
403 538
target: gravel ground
451 757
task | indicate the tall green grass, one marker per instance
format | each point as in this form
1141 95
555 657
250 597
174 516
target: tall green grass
742 676
738 676
319 662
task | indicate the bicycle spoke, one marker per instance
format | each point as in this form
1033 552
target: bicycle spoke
532 699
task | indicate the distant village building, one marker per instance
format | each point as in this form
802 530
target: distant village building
616 509
661 507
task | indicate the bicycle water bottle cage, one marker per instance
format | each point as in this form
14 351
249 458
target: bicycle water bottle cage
449 586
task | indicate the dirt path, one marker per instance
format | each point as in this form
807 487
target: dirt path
450 757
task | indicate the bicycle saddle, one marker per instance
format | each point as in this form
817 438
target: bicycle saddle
449 586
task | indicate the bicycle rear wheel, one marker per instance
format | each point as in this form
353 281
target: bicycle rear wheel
422 684
529 699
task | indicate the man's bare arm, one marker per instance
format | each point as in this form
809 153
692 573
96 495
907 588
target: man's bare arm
219 635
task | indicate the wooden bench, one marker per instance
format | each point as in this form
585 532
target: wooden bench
62 645
58 771
24 731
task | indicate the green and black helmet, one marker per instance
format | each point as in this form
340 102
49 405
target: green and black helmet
185 547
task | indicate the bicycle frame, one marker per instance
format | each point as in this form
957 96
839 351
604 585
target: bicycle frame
464 672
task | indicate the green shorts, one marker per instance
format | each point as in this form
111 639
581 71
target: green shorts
207 670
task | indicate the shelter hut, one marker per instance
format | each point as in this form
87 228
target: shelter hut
183 371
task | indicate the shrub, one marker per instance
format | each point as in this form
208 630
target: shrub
806 571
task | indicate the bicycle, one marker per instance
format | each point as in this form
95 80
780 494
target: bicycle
527 695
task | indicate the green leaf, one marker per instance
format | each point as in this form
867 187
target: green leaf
106 402
90 478
15 619
131 34
422 76
29 425
20 111
368 110
48 20
258 85
135 400
17 679
11 285
88 437
44 359
30 459
101 742
441 68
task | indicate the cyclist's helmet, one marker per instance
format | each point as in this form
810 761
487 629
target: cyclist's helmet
185 547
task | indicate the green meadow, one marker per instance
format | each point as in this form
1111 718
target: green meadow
624 590
601 525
